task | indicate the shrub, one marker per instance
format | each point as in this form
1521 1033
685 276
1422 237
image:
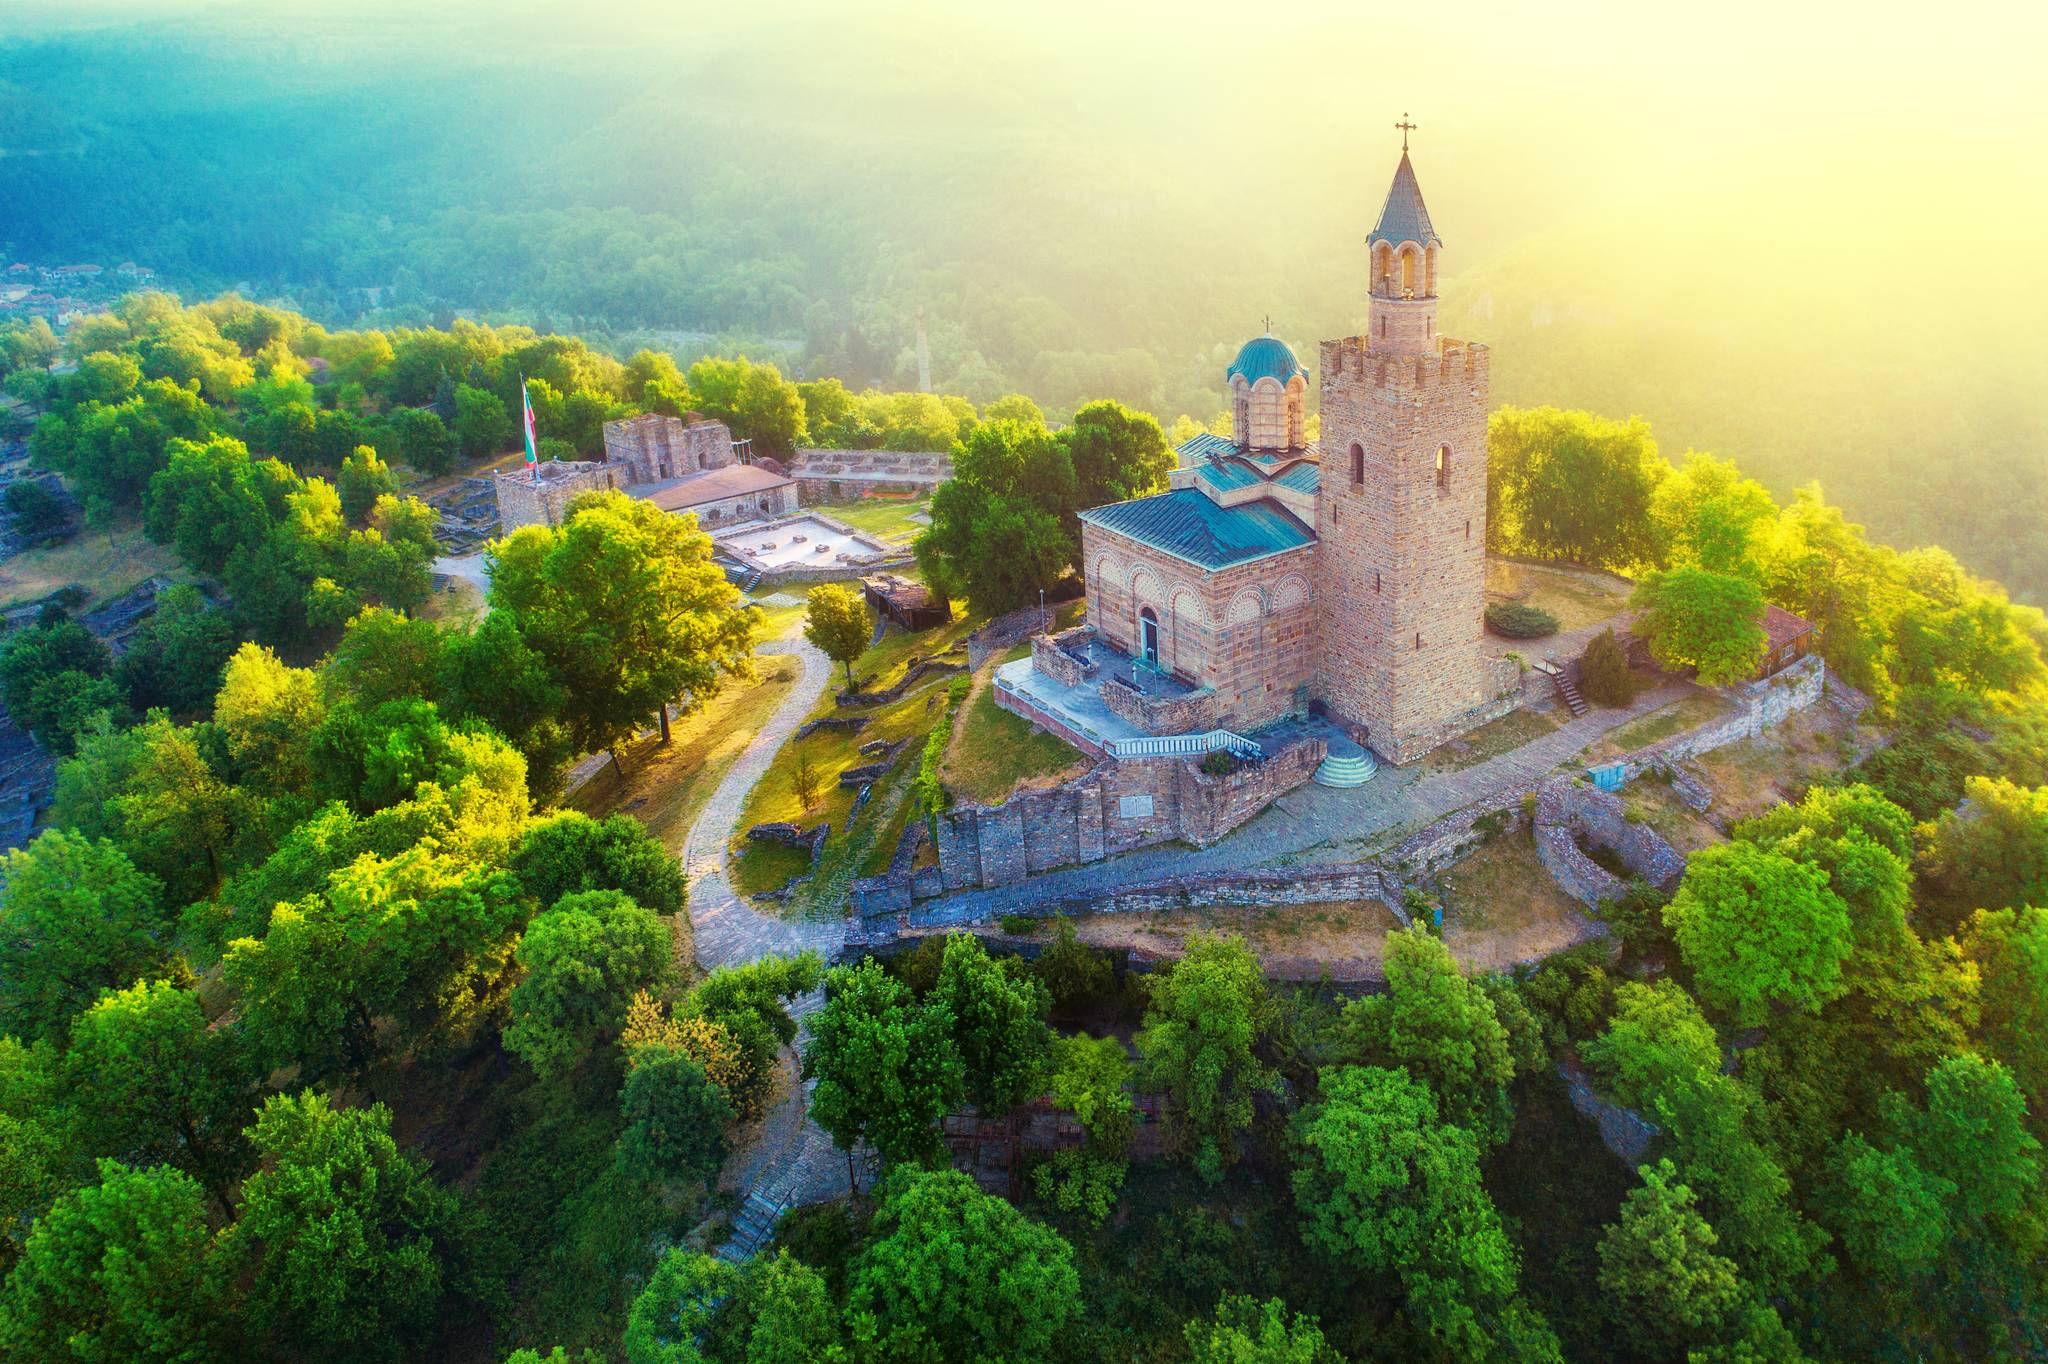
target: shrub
1221 763
1519 620
1604 677
1021 925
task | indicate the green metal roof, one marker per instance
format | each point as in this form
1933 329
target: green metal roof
1304 477
1187 525
1265 357
1404 218
1226 475
1208 445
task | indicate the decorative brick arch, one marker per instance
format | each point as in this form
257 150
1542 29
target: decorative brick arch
1290 592
1144 588
1248 605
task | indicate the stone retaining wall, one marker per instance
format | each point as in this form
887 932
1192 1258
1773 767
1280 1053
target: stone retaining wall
1759 706
1193 713
1055 662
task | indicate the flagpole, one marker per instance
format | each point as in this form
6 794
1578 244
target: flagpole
526 429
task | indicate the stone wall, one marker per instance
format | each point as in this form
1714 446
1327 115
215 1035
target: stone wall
652 447
1401 546
522 502
1247 632
1049 657
826 476
1571 815
1759 706
1117 806
1196 712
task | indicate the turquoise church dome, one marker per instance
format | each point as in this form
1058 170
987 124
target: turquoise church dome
1265 357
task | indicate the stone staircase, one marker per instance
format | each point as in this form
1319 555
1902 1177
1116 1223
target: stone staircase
1346 764
1568 692
752 1229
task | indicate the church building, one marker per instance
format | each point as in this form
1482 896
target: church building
1283 577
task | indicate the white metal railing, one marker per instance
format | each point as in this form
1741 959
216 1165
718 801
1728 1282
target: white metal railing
1186 745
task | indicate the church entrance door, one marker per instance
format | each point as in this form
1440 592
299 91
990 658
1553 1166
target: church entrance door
1148 636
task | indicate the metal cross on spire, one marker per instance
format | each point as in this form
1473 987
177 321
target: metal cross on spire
1269 324
1406 128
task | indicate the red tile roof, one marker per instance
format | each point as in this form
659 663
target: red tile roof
1783 627
692 490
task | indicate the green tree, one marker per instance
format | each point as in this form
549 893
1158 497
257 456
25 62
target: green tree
1604 675
836 621
363 479
1759 929
342 1236
568 851
1207 1015
176 658
1572 486
751 1002
886 1066
482 426
1248 1332
76 918
1889 1213
2009 948
1973 1134
1014 407
626 608
36 511
493 676
1656 1041
1001 527
422 440
1117 454
151 1081
1708 515
1439 1027
582 961
53 679
680 1304
1707 621
421 939
949 1272
784 1312
998 1014
211 501
115 1272
1385 1187
1664 1285
675 1120
1990 854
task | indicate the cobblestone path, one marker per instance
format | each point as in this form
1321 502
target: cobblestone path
1313 825
788 1160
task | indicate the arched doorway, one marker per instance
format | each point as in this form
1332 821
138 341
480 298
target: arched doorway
1148 636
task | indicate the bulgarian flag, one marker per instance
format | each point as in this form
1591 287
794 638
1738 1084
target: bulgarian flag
526 423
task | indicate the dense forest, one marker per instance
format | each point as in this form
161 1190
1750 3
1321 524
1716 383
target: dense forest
798 186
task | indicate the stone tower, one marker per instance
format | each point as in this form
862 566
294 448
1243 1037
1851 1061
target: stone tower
1401 511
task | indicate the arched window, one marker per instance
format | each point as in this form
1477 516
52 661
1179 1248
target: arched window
1443 467
1418 641
1357 464
1383 325
1408 272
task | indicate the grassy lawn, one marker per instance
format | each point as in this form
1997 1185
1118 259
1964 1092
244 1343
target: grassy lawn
780 619
994 752
1688 712
1577 602
1295 942
1504 735
1501 907
1652 802
105 563
886 517
458 602
665 788
831 752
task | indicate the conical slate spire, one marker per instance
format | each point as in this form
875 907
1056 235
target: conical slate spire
1405 217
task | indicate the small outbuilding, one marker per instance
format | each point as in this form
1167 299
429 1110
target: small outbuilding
911 605
1791 639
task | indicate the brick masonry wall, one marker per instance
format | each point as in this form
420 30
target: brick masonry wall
1247 632
1400 564
1572 814
1049 658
